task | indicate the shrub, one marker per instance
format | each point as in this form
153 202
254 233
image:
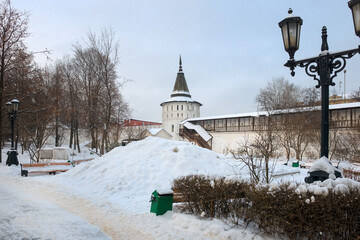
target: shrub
275 210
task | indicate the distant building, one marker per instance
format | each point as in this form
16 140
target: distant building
140 123
156 132
226 131
181 120
133 129
179 106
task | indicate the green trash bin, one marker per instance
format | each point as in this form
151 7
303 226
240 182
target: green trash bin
161 201
295 163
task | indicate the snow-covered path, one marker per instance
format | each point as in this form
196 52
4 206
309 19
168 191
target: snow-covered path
24 216
46 213
36 209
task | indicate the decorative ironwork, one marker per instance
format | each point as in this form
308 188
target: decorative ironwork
324 68
336 63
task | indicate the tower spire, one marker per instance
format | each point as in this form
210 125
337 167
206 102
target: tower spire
180 64
180 87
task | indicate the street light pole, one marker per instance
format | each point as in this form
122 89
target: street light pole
12 110
323 68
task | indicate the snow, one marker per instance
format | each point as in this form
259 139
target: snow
323 164
164 191
136 170
202 132
264 113
180 99
108 198
154 131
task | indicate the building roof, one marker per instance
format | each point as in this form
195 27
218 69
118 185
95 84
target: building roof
181 91
135 122
263 113
180 88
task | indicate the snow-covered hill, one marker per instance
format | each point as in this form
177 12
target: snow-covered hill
135 171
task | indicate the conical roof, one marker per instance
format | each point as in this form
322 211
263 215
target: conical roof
181 91
180 87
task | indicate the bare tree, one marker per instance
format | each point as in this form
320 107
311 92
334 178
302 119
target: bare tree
277 96
251 156
72 105
13 31
95 68
36 115
356 94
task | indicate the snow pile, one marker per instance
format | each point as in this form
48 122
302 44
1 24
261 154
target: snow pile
135 171
323 164
339 186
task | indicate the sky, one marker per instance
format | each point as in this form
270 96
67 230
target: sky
230 48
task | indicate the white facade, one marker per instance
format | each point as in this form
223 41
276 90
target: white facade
173 113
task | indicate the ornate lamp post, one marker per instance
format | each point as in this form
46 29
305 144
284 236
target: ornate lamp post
12 108
323 68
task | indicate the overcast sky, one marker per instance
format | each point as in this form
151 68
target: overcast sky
229 48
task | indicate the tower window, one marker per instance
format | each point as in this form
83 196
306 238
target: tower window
171 107
172 128
177 107
182 107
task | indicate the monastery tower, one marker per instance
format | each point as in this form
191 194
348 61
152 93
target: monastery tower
179 107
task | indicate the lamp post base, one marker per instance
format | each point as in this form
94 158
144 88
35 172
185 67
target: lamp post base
322 170
12 158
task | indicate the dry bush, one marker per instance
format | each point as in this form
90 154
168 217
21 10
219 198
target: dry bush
281 212
210 195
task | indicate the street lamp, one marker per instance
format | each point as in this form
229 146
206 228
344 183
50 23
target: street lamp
323 68
12 108
354 5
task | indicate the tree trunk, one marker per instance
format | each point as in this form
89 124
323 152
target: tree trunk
71 134
77 139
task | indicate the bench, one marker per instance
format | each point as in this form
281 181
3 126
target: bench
280 174
25 172
177 196
77 162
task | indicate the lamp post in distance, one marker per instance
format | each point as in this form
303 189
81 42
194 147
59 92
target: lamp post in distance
12 108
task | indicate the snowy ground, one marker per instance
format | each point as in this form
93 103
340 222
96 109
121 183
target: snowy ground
108 198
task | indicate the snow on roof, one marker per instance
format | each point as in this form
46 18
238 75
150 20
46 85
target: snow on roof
344 105
252 114
180 99
202 132
263 113
181 92
136 122
154 131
